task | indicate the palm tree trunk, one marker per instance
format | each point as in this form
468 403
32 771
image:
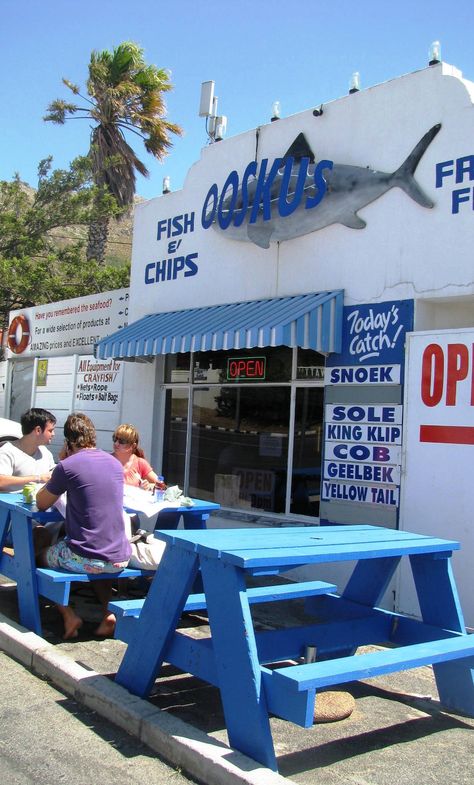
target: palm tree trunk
97 239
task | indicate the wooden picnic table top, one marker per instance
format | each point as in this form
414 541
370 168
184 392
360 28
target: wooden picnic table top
257 547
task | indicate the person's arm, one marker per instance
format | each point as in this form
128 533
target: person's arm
149 481
15 483
51 492
148 477
45 499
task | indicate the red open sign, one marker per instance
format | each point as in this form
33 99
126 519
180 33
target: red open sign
246 368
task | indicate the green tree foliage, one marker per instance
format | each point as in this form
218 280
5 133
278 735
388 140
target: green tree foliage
37 264
124 94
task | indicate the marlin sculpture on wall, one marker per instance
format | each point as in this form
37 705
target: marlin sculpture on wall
299 196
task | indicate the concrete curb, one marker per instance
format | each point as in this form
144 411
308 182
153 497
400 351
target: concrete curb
198 754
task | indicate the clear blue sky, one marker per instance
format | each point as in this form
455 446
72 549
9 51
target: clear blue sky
300 52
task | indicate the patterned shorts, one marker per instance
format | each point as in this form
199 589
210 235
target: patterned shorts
60 555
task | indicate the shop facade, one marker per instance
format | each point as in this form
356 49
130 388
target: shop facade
298 343
367 208
273 299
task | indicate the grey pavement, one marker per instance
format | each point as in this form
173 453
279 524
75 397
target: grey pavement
397 731
47 738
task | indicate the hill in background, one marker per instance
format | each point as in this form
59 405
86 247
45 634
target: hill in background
119 246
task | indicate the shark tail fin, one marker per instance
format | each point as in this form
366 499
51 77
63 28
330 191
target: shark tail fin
403 177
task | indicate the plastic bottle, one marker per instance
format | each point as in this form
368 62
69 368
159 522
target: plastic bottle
160 489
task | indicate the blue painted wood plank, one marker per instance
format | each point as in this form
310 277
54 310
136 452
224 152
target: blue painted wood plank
455 683
192 655
25 571
285 559
292 546
46 575
237 665
223 538
158 620
290 705
287 591
4 527
365 666
291 536
329 639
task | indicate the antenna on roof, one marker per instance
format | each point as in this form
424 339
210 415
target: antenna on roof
216 125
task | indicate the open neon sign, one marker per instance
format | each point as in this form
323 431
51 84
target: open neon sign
246 368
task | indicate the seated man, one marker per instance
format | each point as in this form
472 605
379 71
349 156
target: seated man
95 540
28 459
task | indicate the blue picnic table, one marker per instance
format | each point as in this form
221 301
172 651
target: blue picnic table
18 561
237 659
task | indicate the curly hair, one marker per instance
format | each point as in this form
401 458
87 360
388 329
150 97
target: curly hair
79 431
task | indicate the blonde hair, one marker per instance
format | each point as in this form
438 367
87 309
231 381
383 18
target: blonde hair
128 432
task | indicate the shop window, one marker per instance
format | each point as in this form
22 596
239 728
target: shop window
174 437
239 446
243 366
177 368
310 365
307 446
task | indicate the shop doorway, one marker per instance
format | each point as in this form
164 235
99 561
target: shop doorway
21 386
253 447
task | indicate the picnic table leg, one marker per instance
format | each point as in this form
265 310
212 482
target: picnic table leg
4 526
366 587
439 606
233 639
370 579
195 519
158 620
25 571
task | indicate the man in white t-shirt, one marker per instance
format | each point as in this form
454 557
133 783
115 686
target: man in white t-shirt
28 459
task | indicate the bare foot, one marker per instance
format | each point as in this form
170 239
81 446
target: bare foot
107 627
72 625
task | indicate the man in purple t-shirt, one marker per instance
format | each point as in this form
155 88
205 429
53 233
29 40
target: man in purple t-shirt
95 540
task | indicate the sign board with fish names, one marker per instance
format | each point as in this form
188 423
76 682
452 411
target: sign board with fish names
362 454
363 427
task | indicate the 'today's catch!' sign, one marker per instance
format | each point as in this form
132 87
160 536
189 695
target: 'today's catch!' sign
374 334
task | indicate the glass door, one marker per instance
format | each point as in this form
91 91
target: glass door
307 449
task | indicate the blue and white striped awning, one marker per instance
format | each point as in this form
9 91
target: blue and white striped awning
310 321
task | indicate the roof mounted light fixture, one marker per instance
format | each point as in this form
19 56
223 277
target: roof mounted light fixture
435 53
166 185
275 111
354 84
216 125
318 112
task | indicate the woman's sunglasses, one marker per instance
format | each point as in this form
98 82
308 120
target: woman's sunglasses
119 441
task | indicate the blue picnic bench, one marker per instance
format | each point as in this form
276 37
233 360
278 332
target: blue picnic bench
18 562
262 673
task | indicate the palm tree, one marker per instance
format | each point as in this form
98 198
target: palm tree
125 94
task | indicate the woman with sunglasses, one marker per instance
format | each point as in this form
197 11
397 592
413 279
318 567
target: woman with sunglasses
136 469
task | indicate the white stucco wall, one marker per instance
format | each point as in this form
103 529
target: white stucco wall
405 251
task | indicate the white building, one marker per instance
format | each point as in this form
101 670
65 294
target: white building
349 396
301 317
